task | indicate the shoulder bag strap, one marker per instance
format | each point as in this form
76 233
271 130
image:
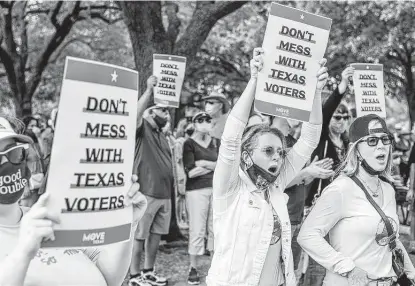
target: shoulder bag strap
389 227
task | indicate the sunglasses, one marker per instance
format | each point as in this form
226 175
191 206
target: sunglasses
270 152
339 117
211 102
203 119
373 140
16 154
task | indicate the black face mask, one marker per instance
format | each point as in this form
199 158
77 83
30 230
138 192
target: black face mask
160 121
13 180
259 176
368 168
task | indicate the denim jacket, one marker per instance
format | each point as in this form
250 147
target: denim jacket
242 219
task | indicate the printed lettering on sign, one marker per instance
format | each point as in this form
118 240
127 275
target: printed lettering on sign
92 155
368 89
169 71
295 41
94 237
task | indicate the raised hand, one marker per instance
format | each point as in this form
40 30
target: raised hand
322 74
37 225
257 62
346 74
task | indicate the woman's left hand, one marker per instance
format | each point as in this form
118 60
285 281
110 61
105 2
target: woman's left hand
322 75
137 199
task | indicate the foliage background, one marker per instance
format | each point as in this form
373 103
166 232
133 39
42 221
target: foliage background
362 31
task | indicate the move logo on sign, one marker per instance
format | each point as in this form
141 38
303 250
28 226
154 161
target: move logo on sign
94 237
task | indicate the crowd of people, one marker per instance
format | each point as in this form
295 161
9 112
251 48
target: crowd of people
273 201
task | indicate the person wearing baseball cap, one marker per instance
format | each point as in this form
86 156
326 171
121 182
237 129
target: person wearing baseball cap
200 153
22 229
217 106
360 240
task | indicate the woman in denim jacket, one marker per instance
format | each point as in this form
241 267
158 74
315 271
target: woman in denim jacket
251 224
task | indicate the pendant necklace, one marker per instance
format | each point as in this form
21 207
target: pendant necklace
375 194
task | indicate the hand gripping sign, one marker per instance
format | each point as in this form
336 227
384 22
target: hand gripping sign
368 89
92 155
169 71
294 43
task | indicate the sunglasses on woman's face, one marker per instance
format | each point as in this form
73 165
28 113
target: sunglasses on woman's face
203 119
373 140
16 154
340 117
270 152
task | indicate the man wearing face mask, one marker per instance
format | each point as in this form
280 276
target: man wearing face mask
217 106
153 164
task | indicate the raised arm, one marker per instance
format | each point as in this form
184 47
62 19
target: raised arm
310 134
227 166
335 98
145 98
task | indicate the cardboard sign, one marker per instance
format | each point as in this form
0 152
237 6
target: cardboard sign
294 43
368 89
169 71
92 155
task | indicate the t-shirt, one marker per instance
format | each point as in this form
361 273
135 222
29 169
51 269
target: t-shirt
53 266
153 162
358 236
272 273
193 152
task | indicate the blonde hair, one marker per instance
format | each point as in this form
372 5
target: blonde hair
351 163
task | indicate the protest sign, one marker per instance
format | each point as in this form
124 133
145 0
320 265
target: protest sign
93 153
169 71
368 89
294 43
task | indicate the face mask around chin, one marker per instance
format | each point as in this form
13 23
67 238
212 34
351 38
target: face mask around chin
160 121
259 176
13 180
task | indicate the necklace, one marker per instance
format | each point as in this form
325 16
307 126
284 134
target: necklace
375 193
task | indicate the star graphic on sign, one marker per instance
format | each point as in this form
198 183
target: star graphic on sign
114 76
302 16
367 67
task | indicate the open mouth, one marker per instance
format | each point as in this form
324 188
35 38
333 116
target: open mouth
272 170
381 157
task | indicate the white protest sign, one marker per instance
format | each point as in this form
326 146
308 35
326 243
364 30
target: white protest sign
169 71
92 155
294 43
368 89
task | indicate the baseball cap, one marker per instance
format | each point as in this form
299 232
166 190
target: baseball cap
201 114
157 106
7 131
360 127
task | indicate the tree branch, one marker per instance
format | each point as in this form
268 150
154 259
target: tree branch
54 16
8 33
55 41
204 18
100 16
174 22
7 61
